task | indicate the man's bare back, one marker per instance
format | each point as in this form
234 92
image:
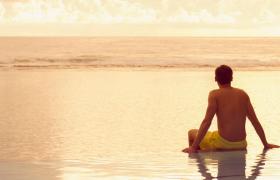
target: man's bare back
231 112
231 106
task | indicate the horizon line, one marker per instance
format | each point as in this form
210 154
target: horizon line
139 36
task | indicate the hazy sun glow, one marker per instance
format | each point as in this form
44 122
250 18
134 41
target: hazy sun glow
140 17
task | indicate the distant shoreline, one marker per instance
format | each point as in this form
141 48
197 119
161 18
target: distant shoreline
131 67
196 37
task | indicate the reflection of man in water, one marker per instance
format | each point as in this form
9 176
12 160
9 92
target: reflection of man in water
232 106
231 165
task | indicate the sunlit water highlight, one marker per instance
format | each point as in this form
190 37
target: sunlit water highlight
123 124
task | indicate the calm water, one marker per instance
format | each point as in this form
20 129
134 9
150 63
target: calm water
181 52
124 124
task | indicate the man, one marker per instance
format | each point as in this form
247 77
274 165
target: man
232 106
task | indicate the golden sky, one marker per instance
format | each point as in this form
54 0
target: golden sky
140 17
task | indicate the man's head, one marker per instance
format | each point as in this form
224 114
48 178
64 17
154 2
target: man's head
223 74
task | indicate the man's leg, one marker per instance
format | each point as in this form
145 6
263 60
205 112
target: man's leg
192 135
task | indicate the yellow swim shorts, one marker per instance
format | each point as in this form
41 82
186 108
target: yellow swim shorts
213 141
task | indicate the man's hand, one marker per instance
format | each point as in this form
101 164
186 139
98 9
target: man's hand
270 146
190 150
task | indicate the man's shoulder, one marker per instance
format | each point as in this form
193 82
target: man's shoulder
216 92
213 92
241 91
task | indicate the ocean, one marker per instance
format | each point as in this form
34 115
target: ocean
120 108
138 52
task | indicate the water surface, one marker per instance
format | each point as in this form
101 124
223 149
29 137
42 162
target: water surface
139 52
116 124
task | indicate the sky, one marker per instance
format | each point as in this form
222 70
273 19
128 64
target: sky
139 18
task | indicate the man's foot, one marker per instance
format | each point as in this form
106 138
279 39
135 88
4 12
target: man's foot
185 150
190 150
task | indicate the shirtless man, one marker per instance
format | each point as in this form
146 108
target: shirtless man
232 106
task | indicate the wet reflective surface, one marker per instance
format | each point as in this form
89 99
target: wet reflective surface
78 124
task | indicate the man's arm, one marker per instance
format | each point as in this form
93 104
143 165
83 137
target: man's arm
210 112
257 125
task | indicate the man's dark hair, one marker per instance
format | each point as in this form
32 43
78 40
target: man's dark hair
223 74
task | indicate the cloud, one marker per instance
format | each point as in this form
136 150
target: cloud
37 11
202 16
2 11
266 17
79 11
119 11
170 15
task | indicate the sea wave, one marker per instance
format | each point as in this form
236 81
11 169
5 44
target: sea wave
91 62
139 52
